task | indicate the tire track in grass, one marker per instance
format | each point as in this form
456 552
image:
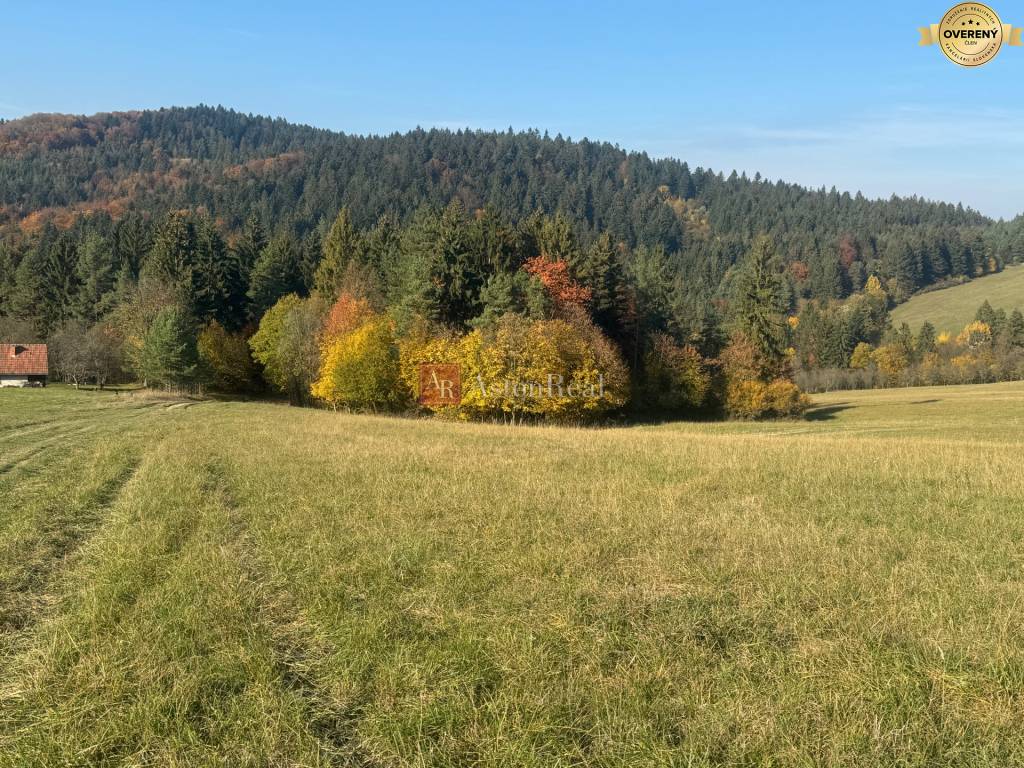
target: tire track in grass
298 650
32 450
24 587
170 646
73 497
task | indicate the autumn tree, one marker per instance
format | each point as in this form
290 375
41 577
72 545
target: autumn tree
227 359
286 345
344 316
675 378
565 293
360 369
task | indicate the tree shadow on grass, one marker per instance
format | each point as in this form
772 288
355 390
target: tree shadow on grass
826 412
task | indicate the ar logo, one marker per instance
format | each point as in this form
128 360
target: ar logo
440 384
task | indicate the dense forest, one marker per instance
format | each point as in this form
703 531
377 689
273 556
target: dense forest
203 220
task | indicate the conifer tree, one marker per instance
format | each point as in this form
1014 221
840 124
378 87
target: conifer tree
760 300
168 355
341 246
173 256
131 240
96 275
1015 328
275 274
986 314
218 284
46 283
925 342
457 268
250 244
600 270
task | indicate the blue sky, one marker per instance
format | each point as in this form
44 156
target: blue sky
817 93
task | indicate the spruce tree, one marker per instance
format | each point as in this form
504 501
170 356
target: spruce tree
986 314
173 255
458 268
275 274
46 283
761 301
600 270
131 240
218 284
168 355
96 276
409 283
925 342
903 338
8 270
250 244
342 245
1015 328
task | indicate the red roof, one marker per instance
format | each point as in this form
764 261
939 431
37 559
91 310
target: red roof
23 360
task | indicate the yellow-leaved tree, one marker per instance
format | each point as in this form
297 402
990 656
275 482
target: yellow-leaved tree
861 356
550 369
975 334
360 369
891 361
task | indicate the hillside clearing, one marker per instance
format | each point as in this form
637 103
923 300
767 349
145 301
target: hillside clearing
952 308
262 585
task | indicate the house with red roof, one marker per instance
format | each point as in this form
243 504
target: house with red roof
23 365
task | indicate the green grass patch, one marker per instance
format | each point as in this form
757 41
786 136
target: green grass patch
952 308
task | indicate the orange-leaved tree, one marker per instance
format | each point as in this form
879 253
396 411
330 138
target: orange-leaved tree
565 293
344 316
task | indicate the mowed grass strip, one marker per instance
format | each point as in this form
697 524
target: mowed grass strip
158 655
287 587
57 478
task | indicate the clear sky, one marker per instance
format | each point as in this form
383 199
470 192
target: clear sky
819 93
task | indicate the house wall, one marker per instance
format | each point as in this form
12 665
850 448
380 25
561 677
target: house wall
13 381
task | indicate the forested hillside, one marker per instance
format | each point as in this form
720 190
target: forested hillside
150 229
53 167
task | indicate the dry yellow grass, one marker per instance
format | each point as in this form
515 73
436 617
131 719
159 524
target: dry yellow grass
257 585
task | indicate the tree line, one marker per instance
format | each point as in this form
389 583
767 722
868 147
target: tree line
319 317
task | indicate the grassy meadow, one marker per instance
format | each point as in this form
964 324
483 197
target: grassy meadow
952 308
247 584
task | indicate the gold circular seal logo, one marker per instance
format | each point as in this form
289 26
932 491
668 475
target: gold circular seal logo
970 34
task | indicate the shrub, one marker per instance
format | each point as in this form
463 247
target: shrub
755 387
674 377
227 358
550 369
753 399
891 361
975 334
861 357
419 347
